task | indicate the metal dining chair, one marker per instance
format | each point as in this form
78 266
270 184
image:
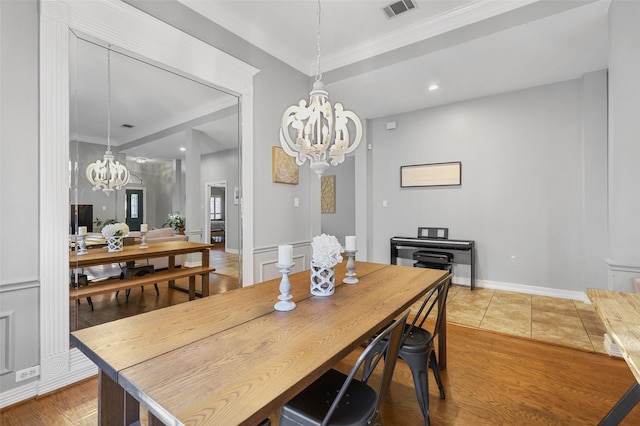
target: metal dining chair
417 345
337 398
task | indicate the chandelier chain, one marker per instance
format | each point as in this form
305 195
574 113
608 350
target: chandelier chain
109 99
318 74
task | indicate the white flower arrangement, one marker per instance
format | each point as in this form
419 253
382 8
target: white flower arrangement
115 230
325 251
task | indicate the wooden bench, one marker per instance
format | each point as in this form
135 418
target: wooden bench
112 285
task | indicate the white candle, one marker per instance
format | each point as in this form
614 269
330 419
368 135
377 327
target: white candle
82 230
285 255
144 227
350 243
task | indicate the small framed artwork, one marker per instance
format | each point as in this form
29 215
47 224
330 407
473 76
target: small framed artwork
434 174
283 167
328 194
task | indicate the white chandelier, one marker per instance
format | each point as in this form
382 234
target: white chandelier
315 132
107 174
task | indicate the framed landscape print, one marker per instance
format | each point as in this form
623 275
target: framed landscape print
434 174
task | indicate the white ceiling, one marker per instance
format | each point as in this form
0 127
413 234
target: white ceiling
373 65
376 66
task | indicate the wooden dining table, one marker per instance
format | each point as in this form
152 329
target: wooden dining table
231 358
620 313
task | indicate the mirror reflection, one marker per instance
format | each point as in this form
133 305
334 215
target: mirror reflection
179 141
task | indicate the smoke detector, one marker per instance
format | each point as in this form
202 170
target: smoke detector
395 9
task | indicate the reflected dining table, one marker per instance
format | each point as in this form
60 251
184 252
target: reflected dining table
231 358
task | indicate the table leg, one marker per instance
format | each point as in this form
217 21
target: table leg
192 287
205 277
622 408
115 406
171 267
442 334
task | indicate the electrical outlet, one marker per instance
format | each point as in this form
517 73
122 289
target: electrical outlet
27 373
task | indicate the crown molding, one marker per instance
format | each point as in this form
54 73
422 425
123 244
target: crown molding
439 24
467 14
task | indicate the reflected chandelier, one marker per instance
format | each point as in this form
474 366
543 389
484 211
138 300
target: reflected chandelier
316 132
107 174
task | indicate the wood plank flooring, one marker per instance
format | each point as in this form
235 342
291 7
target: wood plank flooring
491 379
507 363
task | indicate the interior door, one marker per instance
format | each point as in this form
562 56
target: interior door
134 209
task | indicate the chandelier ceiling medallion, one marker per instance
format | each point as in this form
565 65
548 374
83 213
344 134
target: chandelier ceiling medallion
316 132
107 174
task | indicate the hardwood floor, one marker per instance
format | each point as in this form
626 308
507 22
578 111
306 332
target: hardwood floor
491 379
496 373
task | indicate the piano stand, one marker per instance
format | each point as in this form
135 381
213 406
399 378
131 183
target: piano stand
455 247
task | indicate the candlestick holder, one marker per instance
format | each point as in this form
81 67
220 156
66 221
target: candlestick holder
82 245
350 276
285 303
143 242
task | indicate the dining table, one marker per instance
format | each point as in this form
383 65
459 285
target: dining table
231 358
620 313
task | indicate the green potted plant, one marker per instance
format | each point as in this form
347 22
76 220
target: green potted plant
100 223
176 222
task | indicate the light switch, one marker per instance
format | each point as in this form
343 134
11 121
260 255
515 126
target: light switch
296 202
384 203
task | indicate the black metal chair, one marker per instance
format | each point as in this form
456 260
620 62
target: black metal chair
417 345
338 399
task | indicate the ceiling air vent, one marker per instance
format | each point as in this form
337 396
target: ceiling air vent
398 7
128 126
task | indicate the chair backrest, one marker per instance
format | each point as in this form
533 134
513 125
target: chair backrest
437 297
385 346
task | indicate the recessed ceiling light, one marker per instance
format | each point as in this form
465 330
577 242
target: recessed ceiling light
141 160
433 87
183 149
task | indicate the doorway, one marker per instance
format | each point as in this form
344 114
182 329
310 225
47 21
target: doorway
134 209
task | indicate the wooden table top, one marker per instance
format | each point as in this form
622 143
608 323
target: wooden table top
101 256
620 313
231 359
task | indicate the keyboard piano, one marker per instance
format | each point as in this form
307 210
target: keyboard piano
453 246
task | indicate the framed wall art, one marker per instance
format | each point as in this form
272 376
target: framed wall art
434 174
328 194
283 167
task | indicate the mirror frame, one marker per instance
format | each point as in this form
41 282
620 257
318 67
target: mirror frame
128 28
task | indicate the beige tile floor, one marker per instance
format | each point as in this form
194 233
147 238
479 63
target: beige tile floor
559 321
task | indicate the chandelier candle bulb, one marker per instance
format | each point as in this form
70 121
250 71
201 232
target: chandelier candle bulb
285 254
350 243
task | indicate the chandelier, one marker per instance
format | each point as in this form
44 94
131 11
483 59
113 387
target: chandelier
107 174
316 132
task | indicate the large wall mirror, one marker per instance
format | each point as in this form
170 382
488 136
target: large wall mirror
151 117
140 36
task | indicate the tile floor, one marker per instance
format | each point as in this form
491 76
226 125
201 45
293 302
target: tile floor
559 321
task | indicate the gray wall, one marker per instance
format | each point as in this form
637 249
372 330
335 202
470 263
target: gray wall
522 197
276 87
19 209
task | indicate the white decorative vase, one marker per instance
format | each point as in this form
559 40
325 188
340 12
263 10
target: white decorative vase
322 280
114 244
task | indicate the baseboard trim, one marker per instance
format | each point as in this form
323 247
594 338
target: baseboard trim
80 368
527 289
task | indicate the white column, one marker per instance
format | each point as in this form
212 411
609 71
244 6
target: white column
624 144
194 208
